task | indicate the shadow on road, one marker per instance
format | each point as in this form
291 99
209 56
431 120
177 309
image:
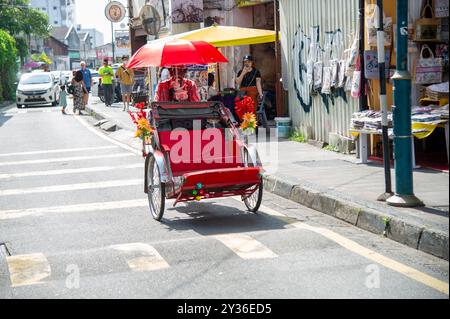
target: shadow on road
214 218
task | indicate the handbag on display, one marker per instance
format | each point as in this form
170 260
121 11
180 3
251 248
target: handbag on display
441 8
428 29
356 81
428 70
371 70
371 25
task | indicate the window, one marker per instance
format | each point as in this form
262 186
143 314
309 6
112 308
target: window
55 22
54 8
43 9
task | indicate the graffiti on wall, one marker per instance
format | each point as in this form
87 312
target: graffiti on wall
318 71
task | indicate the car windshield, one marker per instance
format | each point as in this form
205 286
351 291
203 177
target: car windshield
37 79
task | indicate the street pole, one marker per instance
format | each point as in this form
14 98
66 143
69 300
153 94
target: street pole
383 104
112 42
278 84
404 195
363 96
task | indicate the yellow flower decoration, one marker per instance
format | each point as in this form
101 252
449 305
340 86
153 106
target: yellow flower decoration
249 122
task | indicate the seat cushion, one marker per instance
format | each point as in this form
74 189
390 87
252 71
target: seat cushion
196 150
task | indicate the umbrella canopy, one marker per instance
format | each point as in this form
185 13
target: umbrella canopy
223 36
175 52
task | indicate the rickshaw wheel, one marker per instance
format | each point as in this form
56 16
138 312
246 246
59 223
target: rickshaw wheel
156 191
253 202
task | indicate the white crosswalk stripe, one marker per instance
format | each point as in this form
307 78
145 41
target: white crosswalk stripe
70 187
149 260
70 171
28 269
78 208
245 246
64 150
66 159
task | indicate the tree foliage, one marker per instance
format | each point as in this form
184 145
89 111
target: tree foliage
18 18
8 66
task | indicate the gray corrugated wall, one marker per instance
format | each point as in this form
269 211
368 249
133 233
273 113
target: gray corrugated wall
329 15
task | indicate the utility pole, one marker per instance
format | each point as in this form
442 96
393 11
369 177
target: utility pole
363 97
383 104
112 42
278 84
404 195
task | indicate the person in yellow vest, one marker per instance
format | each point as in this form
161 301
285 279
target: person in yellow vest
106 72
126 80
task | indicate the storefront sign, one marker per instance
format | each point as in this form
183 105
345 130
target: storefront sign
247 3
122 39
187 11
74 55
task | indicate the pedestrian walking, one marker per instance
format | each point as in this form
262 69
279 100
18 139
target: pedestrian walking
126 80
78 89
87 77
63 98
106 72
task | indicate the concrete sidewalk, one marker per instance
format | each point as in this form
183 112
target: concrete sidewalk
335 184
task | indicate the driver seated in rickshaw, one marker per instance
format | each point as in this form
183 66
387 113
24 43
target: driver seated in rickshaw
178 88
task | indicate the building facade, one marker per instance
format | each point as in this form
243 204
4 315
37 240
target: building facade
97 37
319 117
60 12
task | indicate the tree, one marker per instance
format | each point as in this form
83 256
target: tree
8 66
20 20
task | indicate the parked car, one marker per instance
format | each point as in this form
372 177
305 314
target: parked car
37 89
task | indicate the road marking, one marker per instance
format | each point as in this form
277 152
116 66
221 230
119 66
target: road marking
28 269
271 212
64 150
352 246
70 187
107 138
65 159
70 171
245 246
150 259
79 208
378 258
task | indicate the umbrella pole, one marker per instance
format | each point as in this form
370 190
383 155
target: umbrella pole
150 86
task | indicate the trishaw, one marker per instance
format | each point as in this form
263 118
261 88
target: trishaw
233 169
196 150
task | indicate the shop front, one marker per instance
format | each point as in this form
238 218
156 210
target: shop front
428 66
331 71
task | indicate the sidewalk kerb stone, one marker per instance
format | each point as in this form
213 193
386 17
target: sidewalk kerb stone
434 243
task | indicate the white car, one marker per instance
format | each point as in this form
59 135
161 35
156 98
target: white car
37 89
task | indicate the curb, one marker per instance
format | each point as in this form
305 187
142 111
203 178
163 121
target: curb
430 241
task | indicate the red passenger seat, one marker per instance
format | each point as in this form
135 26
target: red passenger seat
198 150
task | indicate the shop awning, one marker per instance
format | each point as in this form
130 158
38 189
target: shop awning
224 36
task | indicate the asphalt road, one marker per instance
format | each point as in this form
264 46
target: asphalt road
76 224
